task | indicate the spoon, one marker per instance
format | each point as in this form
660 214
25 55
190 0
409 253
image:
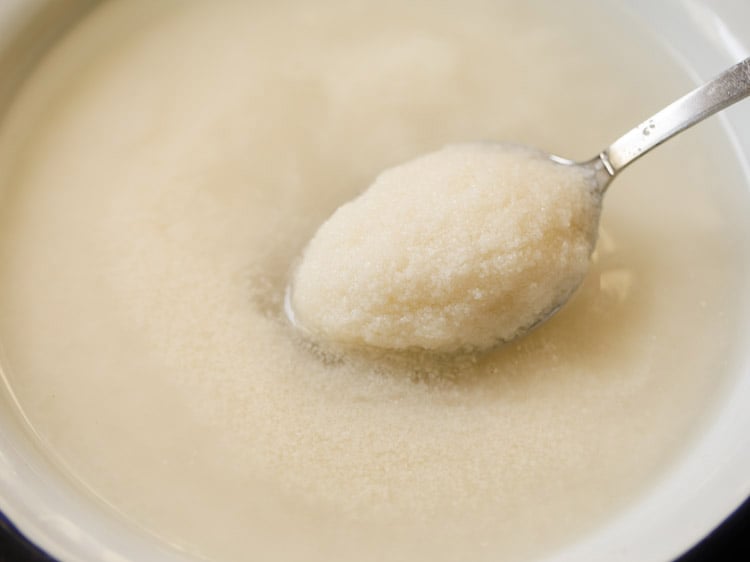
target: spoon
351 259
724 90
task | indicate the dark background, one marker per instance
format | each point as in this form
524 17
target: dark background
729 543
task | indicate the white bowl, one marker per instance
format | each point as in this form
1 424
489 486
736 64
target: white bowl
710 480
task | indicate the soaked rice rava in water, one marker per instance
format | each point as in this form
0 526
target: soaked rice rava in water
457 250
163 172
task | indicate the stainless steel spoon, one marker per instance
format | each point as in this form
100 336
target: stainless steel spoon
727 88
724 90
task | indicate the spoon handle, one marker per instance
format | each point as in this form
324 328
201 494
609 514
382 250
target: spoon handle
727 88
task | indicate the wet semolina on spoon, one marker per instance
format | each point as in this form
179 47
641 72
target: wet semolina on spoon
456 250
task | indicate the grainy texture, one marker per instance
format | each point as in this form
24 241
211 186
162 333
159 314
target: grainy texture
457 250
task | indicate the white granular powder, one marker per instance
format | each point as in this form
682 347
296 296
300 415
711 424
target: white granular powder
456 250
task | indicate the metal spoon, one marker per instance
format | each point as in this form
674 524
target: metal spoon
727 88
724 90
